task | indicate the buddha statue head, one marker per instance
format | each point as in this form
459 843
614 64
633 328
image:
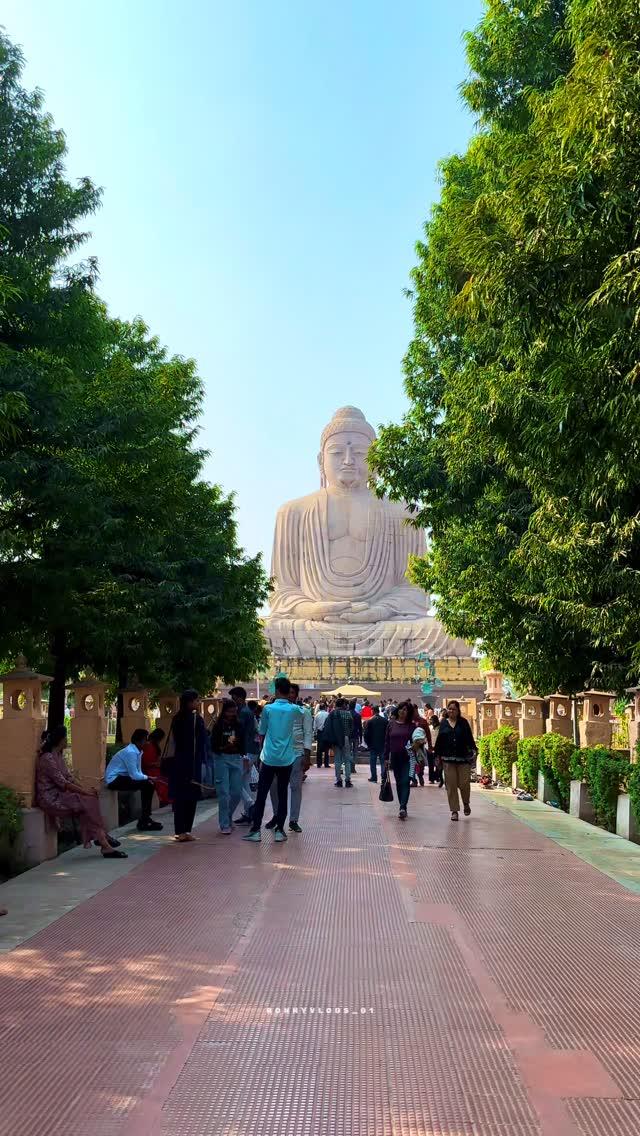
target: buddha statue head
344 446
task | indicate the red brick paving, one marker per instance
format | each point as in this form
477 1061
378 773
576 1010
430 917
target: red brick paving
497 974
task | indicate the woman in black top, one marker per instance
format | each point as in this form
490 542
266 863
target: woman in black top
187 751
456 748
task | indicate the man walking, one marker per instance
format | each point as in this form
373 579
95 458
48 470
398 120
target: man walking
250 748
339 730
375 732
322 749
278 757
302 739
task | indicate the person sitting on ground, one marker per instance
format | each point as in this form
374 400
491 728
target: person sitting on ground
124 773
60 795
151 757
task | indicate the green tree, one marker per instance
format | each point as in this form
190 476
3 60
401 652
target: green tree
521 446
114 554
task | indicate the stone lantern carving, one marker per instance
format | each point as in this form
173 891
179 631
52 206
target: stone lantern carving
135 710
488 718
89 729
531 722
595 723
168 705
494 685
508 711
559 720
21 728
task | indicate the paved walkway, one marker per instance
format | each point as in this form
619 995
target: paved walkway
368 977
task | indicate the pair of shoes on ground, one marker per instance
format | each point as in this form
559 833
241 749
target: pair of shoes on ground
293 825
149 825
347 784
256 837
373 780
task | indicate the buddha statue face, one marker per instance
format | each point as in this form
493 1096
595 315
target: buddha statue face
343 461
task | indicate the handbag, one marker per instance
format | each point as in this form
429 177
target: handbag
386 792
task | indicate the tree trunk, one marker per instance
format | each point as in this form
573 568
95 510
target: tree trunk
123 679
57 693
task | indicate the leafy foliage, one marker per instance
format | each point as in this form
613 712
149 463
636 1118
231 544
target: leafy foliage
561 763
529 760
633 786
10 814
521 448
503 744
115 555
484 753
606 775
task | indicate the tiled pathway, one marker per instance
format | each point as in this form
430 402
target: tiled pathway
368 977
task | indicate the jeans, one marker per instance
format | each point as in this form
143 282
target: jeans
247 795
374 758
228 772
295 785
342 756
144 788
282 773
400 764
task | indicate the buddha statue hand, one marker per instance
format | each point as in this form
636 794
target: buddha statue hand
360 612
328 610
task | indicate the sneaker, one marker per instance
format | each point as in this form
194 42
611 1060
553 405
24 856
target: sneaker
225 831
348 785
294 826
280 836
254 837
271 823
149 826
243 820
467 810
339 783
402 815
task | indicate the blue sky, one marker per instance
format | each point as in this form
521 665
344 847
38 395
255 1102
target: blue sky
267 168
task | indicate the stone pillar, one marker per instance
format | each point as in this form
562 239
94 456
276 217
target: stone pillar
494 686
89 729
135 711
633 714
488 718
559 719
626 823
209 708
531 721
21 728
580 803
595 723
507 710
168 705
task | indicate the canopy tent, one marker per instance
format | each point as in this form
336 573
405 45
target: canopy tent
351 690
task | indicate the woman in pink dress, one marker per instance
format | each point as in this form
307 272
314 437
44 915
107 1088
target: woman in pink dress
59 795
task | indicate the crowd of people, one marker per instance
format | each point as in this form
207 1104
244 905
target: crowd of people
254 752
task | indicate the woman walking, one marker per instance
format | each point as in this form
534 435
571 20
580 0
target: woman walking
456 748
396 754
186 753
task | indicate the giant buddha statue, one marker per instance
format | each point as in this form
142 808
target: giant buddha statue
340 559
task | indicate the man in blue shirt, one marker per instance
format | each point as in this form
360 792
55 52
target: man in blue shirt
124 771
277 725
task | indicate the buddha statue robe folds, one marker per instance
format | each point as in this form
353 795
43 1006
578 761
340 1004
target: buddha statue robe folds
340 560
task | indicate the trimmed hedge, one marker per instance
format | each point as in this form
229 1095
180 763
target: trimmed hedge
607 774
529 761
503 745
484 755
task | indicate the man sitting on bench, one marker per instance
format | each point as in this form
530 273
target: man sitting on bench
124 772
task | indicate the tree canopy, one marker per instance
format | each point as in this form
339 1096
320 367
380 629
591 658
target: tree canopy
520 450
115 554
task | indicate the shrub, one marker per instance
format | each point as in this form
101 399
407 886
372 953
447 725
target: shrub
484 754
502 751
10 814
560 763
633 789
529 758
606 774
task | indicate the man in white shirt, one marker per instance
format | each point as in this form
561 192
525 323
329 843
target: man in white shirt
124 772
319 721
